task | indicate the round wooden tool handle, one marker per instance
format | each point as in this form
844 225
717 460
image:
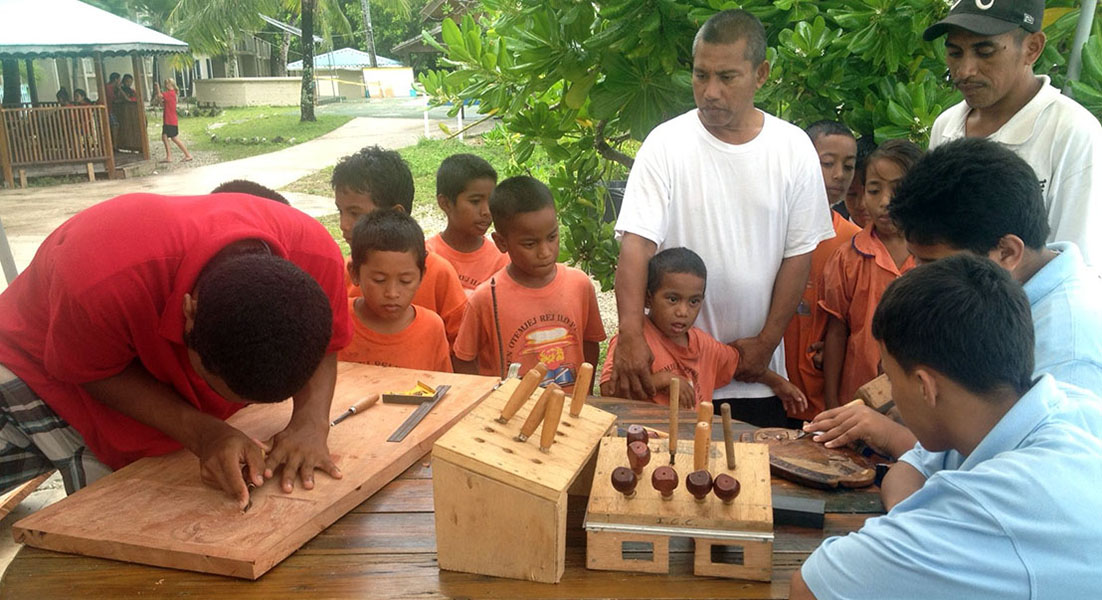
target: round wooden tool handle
520 395
664 479
624 481
582 387
638 456
699 484
728 435
702 443
726 487
537 414
364 403
636 433
551 418
675 407
705 412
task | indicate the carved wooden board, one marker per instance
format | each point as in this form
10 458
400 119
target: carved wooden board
156 511
812 464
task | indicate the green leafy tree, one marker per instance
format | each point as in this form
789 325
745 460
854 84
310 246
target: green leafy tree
585 82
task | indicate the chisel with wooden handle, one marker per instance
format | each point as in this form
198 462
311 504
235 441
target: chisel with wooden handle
675 407
520 395
537 414
551 419
701 445
363 404
582 387
704 412
728 434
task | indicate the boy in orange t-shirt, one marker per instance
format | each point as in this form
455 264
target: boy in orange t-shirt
374 178
858 273
676 278
837 151
388 260
535 309
464 183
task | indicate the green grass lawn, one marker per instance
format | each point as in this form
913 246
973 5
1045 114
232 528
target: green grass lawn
257 122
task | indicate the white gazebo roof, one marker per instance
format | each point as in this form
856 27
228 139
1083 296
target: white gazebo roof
54 28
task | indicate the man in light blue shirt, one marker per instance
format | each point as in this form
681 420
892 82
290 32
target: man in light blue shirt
974 195
1019 516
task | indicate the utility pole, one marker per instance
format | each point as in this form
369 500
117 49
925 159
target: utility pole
365 5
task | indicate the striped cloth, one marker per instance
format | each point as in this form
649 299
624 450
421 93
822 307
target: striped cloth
34 440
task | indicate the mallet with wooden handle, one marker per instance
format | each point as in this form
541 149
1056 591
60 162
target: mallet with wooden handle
361 405
675 407
537 414
551 419
520 395
701 444
582 387
728 435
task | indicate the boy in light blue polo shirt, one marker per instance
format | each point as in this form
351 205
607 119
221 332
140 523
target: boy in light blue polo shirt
1019 517
974 195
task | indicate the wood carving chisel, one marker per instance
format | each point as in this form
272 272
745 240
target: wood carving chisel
551 419
537 414
361 405
418 414
728 434
520 395
702 444
582 387
675 408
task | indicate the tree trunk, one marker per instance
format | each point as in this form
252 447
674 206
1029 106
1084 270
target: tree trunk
231 56
369 32
284 48
306 110
11 82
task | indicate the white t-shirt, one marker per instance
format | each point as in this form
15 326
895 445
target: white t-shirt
1059 139
743 208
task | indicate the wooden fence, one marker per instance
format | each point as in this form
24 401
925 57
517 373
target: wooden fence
51 135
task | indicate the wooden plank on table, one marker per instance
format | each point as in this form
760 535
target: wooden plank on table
156 511
10 500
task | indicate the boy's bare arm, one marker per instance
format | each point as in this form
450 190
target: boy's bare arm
901 481
222 450
788 288
834 357
792 397
466 367
798 590
631 367
303 445
591 351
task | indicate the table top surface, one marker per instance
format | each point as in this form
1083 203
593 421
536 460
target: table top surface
385 548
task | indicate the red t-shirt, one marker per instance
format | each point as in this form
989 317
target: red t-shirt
421 345
854 278
440 292
106 288
705 362
546 324
472 267
170 107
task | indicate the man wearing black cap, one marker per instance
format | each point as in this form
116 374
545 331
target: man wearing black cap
991 47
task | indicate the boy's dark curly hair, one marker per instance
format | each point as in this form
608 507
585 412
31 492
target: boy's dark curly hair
382 174
262 324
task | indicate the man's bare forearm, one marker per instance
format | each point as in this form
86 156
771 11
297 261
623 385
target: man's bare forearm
631 281
788 289
313 401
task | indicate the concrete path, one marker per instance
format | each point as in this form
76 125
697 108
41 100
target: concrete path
28 215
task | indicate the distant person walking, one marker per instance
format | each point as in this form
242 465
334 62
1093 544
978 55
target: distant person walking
170 130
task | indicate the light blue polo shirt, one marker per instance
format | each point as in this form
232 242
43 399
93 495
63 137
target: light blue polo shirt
1021 517
1065 297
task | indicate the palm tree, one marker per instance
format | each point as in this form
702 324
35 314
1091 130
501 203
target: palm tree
211 26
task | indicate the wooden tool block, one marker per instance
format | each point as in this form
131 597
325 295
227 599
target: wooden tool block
501 504
810 463
877 395
156 511
734 540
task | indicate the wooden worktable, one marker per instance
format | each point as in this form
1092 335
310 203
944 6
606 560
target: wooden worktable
385 548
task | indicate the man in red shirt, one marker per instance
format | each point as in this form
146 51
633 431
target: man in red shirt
170 130
145 321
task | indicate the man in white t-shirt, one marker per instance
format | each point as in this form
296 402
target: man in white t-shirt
991 47
742 189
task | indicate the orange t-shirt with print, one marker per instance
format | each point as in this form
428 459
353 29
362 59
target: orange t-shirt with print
809 323
705 362
547 324
472 267
853 280
421 345
440 292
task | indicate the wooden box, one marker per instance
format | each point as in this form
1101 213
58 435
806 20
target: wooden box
501 504
633 534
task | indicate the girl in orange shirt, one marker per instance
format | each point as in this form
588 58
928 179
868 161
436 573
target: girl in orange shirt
858 273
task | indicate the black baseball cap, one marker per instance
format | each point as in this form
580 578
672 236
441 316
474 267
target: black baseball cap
990 17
